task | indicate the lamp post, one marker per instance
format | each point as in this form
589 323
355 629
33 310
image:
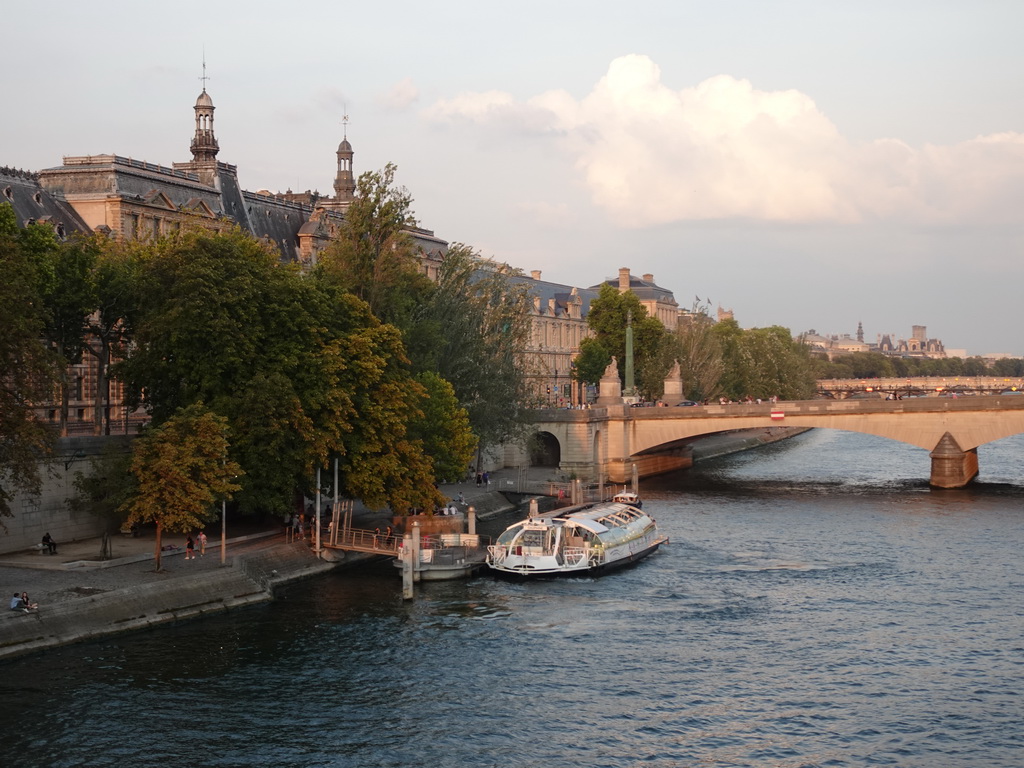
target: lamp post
223 531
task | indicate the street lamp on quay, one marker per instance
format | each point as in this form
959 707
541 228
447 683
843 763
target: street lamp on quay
224 528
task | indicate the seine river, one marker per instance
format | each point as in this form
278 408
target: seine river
818 606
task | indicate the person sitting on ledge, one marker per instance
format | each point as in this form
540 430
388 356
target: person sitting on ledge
17 604
50 543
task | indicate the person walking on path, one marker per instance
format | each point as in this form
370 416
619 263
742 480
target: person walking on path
202 543
190 548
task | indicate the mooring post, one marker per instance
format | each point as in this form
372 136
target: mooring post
636 480
407 590
415 551
471 521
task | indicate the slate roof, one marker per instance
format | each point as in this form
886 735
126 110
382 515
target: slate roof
32 203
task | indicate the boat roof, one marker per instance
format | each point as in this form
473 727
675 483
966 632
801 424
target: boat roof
603 517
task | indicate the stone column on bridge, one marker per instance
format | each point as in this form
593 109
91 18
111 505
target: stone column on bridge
673 385
952 467
611 387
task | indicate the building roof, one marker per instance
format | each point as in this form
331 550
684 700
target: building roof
32 203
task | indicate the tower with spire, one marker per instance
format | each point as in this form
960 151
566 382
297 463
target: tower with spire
344 181
204 143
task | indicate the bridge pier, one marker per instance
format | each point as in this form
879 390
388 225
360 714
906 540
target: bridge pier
951 466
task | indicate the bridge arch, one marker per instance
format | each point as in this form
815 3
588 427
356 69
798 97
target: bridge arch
545 450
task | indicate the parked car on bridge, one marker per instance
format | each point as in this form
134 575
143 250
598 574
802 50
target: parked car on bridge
686 403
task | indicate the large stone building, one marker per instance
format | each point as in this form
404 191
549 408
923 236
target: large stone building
138 200
918 345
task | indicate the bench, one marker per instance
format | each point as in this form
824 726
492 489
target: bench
39 549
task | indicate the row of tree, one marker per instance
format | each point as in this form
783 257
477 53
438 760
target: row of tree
861 365
720 359
715 359
253 372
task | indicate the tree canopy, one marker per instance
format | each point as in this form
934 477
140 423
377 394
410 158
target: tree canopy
651 342
481 324
181 470
28 369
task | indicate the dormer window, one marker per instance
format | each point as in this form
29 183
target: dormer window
8 193
38 197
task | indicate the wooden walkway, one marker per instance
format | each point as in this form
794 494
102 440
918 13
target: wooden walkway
358 540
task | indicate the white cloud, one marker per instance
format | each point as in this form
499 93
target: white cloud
652 155
401 95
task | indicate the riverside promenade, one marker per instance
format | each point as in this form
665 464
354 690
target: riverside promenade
83 597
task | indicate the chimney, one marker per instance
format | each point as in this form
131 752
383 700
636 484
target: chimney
623 279
649 278
535 274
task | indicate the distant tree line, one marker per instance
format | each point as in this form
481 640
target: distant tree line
862 365
716 359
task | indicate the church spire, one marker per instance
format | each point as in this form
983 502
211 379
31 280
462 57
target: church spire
344 182
204 143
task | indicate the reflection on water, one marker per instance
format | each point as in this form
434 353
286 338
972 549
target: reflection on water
818 605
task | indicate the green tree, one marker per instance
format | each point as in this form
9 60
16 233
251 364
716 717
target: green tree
181 471
764 362
591 362
27 368
116 284
301 369
481 325
700 356
651 342
444 429
374 256
69 301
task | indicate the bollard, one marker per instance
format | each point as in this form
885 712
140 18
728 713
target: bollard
533 508
471 521
407 591
415 552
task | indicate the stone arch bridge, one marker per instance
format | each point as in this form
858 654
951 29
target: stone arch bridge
609 441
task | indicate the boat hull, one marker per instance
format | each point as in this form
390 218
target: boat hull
526 574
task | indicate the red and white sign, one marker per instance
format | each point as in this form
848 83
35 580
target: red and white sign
778 415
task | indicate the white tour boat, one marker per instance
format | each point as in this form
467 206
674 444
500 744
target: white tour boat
585 539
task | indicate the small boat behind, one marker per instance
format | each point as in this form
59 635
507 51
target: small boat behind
585 539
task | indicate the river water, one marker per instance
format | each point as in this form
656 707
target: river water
818 606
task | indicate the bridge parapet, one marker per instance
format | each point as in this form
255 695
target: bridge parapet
610 440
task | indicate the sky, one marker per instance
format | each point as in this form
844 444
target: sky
810 164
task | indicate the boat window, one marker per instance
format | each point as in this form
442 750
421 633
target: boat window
510 534
532 539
